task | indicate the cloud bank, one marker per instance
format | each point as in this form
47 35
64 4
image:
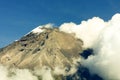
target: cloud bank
104 38
16 74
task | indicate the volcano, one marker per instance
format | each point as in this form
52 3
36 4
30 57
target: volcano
47 51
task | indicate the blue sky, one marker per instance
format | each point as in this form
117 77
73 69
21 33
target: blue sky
17 17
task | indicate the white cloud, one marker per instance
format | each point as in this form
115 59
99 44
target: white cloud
16 74
88 31
106 60
45 73
104 38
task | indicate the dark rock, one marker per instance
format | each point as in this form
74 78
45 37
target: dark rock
21 49
86 53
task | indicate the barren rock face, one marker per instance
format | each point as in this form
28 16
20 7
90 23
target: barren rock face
50 48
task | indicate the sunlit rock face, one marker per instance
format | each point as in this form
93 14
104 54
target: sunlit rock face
50 47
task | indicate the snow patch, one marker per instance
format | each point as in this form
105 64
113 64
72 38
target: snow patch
37 30
41 28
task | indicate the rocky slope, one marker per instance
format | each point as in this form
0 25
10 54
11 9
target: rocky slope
49 48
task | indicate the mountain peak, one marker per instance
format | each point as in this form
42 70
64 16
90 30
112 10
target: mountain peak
40 29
